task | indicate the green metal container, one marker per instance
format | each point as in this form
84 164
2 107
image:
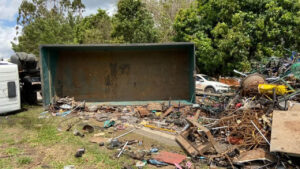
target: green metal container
118 74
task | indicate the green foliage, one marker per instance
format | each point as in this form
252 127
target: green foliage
47 22
53 30
228 34
94 29
30 10
133 23
164 13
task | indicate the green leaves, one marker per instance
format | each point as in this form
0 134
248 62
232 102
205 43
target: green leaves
133 23
45 23
94 29
228 34
44 31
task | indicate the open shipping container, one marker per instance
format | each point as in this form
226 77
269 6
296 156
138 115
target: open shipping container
119 74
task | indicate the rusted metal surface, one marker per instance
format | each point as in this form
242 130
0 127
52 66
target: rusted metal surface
242 129
111 73
154 107
234 82
143 111
123 75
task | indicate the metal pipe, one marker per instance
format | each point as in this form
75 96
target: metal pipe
122 149
240 73
260 132
215 128
125 133
208 118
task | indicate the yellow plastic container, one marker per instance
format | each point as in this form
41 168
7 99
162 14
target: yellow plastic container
268 89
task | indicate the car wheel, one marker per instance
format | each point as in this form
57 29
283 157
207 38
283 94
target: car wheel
210 90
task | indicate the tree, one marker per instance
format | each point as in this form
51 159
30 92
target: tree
94 29
164 13
47 22
228 34
44 31
133 23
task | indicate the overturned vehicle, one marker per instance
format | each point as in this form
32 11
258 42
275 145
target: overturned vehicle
29 74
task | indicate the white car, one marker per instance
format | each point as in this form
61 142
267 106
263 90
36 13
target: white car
208 84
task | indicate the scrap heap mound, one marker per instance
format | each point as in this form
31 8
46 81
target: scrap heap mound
232 131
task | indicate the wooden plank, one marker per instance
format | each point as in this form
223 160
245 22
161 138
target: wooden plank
285 136
187 146
200 92
159 136
295 107
168 111
210 137
202 148
186 132
196 117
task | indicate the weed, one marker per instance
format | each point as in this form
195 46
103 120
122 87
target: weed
24 160
12 151
4 163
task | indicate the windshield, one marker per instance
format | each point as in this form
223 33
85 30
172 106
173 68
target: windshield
208 78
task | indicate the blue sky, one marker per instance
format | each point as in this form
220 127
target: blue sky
8 14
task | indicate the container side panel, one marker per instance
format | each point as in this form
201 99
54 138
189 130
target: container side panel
124 75
44 58
53 67
191 76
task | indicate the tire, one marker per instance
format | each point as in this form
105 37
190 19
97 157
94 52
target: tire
210 90
31 98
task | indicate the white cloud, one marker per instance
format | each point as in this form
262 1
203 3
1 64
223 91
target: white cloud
7 35
8 9
91 6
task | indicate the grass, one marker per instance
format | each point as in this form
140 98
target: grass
31 142
24 160
12 151
28 141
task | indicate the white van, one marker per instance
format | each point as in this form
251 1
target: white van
9 88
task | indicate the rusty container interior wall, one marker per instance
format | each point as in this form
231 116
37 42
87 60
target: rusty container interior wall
118 73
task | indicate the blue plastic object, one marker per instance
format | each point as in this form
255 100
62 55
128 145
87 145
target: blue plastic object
109 123
154 150
157 163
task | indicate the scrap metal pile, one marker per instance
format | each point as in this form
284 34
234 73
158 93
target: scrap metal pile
232 131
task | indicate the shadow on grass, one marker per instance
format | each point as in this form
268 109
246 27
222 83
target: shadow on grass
14 112
27 117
